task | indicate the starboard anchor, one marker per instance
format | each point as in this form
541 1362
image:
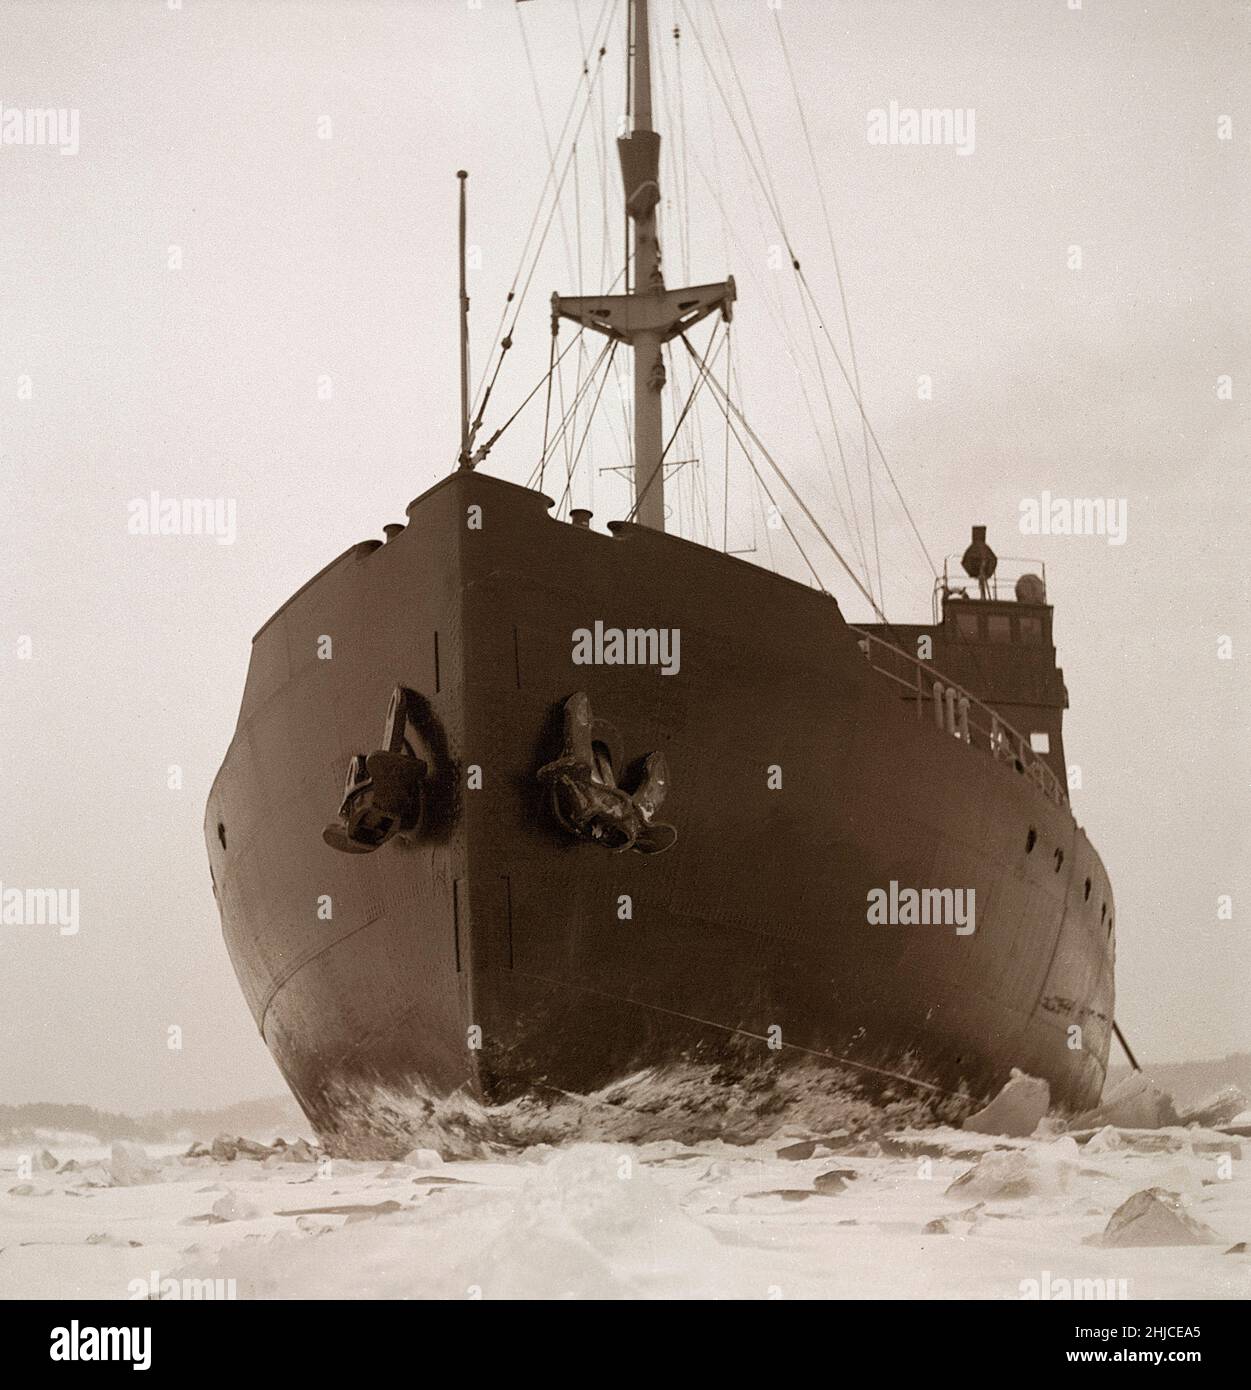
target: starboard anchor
583 791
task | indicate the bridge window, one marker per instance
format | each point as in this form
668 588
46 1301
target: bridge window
999 627
1040 741
966 625
1030 629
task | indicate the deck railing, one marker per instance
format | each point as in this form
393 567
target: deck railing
957 714
1002 584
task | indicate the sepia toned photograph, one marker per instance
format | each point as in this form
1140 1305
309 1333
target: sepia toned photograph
624 635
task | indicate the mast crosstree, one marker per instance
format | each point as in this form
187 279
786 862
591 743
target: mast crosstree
649 315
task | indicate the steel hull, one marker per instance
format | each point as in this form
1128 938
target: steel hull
496 954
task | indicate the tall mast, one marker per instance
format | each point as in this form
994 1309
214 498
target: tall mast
649 315
640 165
464 335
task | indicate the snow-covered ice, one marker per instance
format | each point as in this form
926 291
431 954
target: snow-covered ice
1016 1111
927 1213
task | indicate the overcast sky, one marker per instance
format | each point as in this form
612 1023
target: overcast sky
301 159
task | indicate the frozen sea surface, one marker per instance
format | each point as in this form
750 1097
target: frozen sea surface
854 1203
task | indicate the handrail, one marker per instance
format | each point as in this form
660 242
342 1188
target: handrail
954 710
955 581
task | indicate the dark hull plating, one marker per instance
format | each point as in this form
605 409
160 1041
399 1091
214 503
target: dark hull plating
491 954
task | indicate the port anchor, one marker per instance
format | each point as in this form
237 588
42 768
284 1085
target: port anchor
384 792
583 792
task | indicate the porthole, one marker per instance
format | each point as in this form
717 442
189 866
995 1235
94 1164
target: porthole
1059 860
1103 912
221 833
1031 840
1087 897
1109 926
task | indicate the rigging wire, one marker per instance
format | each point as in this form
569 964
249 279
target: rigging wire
657 472
590 420
758 163
693 482
725 496
729 405
525 249
562 437
507 341
674 109
581 359
568 427
554 183
869 427
568 415
569 455
484 449
778 314
685 170
547 139
772 194
766 186
698 473
791 345
838 269
757 489
599 146
547 405
842 455
781 515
